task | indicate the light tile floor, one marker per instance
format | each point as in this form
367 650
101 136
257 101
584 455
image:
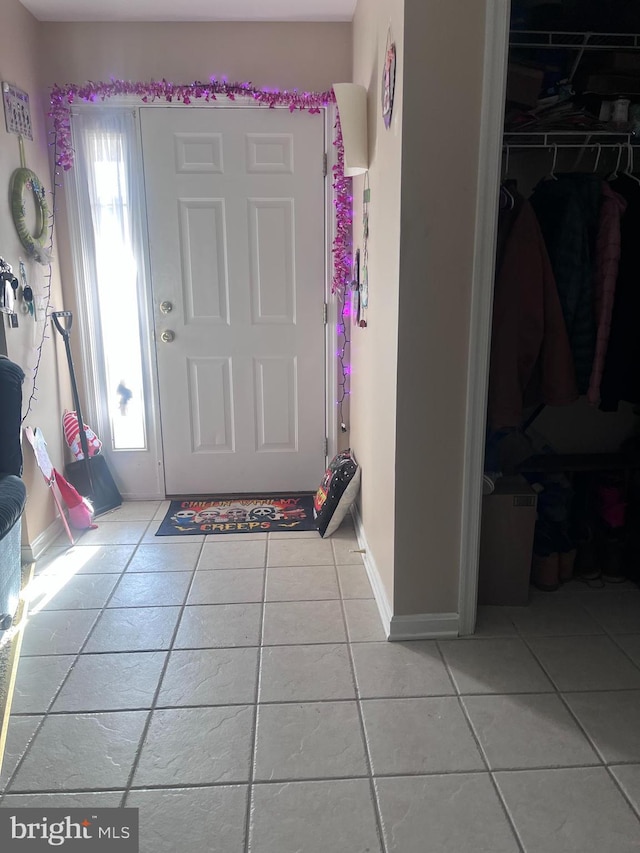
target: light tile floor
240 693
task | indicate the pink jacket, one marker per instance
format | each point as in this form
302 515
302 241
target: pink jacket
606 275
531 360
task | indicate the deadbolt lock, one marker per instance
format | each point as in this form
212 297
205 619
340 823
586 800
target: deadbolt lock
167 336
166 307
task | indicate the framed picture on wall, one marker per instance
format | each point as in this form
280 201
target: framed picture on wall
388 80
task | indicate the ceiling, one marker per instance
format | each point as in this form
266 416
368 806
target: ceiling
191 10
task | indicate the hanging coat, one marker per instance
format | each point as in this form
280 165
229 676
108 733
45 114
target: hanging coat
606 277
621 376
530 355
568 210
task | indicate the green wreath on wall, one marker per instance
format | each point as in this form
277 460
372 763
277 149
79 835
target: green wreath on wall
21 180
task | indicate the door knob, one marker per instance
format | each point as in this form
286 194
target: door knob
167 336
166 307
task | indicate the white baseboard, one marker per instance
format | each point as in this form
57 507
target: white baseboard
416 626
142 496
36 549
379 592
424 626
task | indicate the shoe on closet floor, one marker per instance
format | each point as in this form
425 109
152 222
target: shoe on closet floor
545 572
566 562
586 566
612 558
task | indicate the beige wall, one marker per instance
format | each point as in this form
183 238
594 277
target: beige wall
309 56
440 134
20 64
374 349
410 364
283 55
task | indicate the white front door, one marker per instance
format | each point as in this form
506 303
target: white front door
235 207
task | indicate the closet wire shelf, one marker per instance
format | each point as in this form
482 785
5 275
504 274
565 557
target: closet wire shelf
580 41
569 139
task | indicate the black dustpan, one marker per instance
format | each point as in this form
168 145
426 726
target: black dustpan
90 476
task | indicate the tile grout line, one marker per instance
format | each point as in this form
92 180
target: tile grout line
197 604
521 636
614 639
304 779
259 671
560 696
483 755
527 641
338 700
147 724
101 610
523 633
200 648
314 643
605 631
254 731
590 740
363 731
617 784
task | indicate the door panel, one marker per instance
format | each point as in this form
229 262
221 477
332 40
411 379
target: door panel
275 404
271 242
270 153
198 152
235 206
211 405
204 260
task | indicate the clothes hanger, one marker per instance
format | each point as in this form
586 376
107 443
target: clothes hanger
507 200
628 172
588 146
614 175
595 167
552 174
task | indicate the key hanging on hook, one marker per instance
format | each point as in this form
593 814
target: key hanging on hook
27 292
23 159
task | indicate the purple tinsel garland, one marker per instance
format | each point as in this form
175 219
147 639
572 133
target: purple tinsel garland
62 97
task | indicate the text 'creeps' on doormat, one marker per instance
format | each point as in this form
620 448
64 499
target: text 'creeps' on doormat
248 514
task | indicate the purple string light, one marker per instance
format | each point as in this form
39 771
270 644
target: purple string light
47 289
63 97
344 368
342 270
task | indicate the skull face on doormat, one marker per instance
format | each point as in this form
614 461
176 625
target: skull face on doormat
245 514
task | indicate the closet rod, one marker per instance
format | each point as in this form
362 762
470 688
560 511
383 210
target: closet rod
576 40
614 136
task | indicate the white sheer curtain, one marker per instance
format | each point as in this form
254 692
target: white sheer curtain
109 205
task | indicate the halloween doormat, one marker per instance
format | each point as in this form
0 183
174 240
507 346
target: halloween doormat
247 514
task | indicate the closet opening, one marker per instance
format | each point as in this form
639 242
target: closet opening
560 506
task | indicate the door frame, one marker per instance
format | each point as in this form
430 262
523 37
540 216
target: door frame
494 86
91 375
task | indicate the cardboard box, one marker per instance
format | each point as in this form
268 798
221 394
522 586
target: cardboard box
621 61
524 84
506 542
613 84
